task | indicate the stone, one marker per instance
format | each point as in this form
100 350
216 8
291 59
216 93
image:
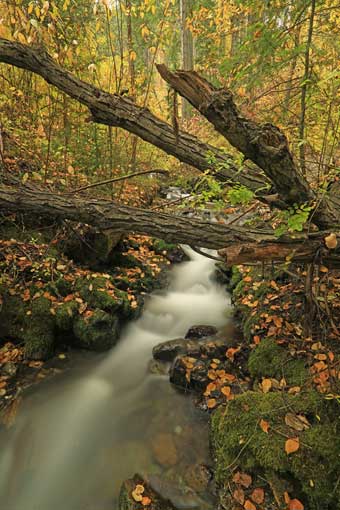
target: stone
198 376
164 450
167 351
98 332
201 331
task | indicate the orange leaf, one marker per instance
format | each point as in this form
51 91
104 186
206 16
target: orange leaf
238 495
231 352
264 426
248 505
242 479
211 403
295 504
146 501
257 495
292 445
226 390
266 385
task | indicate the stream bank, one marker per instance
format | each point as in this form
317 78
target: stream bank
272 395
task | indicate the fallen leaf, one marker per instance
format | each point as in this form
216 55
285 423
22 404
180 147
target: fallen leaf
264 426
331 241
211 403
248 505
242 479
257 495
226 390
295 504
146 501
296 421
292 445
266 385
238 495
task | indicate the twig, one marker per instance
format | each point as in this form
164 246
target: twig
116 179
197 250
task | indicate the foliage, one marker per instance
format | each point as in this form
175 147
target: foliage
293 220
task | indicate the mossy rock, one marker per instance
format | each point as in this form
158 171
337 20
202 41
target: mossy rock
65 314
269 359
95 292
39 330
31 323
313 470
12 317
98 332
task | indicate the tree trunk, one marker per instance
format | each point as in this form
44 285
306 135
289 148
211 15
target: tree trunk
115 110
187 46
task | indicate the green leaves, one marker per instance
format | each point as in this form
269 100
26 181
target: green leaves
240 195
293 220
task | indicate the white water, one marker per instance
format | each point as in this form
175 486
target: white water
76 442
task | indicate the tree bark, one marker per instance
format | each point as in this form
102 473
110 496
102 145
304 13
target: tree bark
120 111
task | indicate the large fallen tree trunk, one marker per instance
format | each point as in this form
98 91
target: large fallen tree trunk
240 244
120 111
263 144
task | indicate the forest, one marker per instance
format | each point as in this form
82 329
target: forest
169 255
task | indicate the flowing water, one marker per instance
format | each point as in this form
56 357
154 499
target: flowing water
77 439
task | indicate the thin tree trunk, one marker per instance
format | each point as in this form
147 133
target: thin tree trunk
304 89
187 47
132 73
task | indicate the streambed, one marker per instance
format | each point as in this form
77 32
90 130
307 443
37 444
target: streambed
78 438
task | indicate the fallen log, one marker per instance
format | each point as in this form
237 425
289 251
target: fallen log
121 111
237 244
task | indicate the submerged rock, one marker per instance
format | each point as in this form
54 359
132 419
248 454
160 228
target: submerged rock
201 331
164 450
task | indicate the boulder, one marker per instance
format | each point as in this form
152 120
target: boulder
201 331
98 332
167 351
196 381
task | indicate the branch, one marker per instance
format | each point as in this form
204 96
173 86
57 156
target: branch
120 111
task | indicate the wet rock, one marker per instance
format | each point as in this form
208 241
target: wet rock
164 450
157 368
198 477
174 488
167 351
126 502
193 379
201 331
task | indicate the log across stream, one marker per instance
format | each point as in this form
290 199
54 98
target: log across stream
79 437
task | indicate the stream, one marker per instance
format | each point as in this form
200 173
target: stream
79 436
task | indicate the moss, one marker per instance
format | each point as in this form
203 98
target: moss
39 330
95 292
235 279
271 360
313 469
65 314
12 317
159 246
98 332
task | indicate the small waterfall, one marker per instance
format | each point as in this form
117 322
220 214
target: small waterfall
77 439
